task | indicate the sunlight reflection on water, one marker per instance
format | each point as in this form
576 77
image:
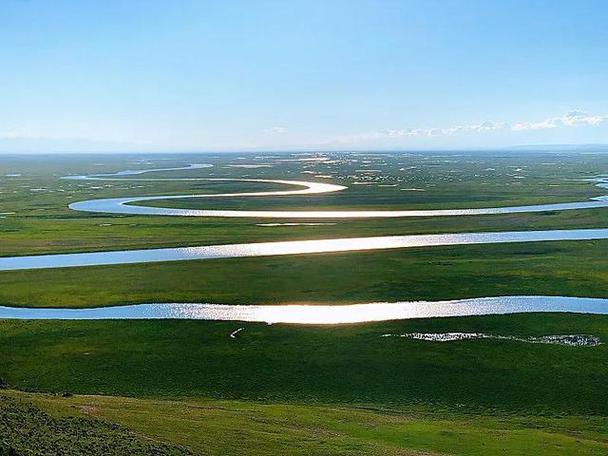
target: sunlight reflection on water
290 248
321 314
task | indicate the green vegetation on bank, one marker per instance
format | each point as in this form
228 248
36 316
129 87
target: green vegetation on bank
545 268
31 236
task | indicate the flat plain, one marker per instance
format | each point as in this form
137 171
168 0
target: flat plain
187 387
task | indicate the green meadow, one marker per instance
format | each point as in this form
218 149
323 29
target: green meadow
185 387
451 272
319 390
219 427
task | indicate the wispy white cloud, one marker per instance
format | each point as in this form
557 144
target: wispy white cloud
277 130
571 119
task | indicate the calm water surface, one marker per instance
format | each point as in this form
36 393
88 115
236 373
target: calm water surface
303 314
290 248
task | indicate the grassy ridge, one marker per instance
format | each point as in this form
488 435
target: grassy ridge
236 427
29 430
346 364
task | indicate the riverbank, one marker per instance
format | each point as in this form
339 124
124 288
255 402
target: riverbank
430 274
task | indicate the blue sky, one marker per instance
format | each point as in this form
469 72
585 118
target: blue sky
233 75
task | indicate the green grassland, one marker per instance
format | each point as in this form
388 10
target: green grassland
185 387
336 364
26 429
546 268
23 236
35 219
212 427
317 390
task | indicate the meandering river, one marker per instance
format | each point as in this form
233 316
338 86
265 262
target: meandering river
128 205
302 314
